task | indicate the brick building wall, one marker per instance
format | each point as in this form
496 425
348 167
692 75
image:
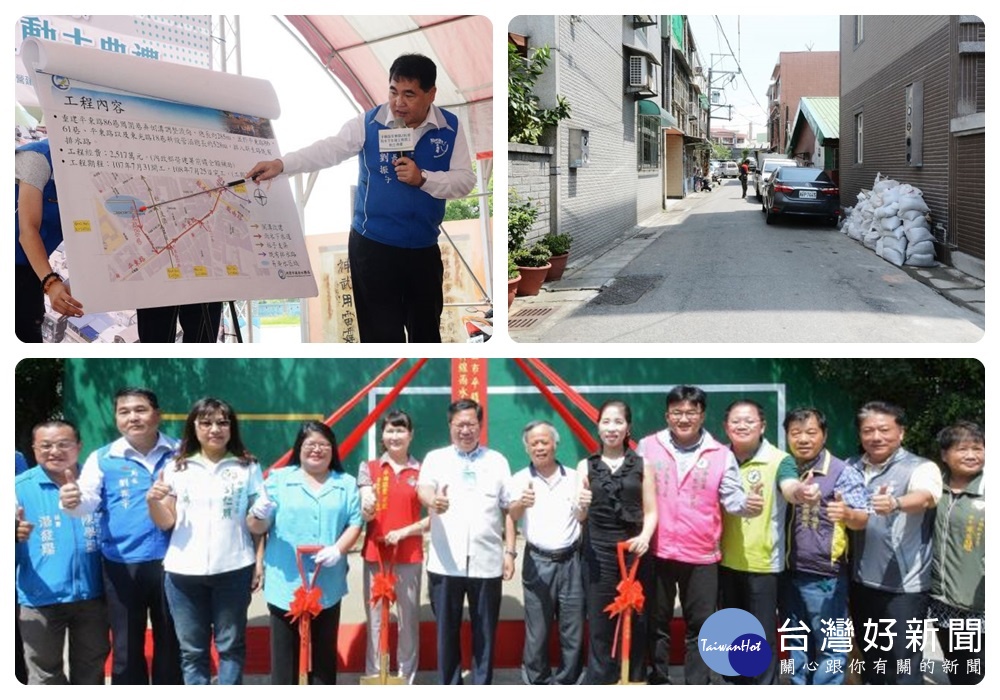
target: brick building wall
528 175
804 74
896 51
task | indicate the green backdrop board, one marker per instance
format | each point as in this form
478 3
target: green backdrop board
273 396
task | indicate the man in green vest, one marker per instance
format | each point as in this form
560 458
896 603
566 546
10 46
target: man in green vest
753 549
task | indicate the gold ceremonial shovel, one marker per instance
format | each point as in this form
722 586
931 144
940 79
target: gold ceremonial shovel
629 598
384 592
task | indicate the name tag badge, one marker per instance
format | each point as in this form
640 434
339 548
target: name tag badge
469 479
395 140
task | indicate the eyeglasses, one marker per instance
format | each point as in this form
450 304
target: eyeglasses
209 424
677 415
749 422
317 446
465 426
62 445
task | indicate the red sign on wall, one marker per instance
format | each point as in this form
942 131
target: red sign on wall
468 381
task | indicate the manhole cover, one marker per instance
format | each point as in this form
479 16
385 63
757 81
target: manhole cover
626 290
526 318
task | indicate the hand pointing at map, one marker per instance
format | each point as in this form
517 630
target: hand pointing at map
266 170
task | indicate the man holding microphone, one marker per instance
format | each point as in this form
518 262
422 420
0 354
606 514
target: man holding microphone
412 157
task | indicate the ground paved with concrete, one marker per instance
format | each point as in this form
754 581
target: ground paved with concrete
711 270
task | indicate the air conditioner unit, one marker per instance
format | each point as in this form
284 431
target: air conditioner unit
638 71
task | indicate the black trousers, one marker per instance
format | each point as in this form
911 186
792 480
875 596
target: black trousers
698 585
874 604
448 594
134 593
398 292
285 647
758 595
29 305
601 577
200 323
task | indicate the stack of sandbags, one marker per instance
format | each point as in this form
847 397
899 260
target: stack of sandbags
894 221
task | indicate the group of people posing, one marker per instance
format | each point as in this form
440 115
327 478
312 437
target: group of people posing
181 534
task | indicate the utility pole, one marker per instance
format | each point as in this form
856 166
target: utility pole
711 79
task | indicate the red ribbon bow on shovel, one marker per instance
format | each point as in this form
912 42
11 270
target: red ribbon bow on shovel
629 598
306 604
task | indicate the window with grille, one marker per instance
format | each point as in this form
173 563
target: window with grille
648 142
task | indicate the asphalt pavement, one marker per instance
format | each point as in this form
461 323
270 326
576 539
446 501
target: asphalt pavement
709 269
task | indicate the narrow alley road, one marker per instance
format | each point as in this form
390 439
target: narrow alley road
716 272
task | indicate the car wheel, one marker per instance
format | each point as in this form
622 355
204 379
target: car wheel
833 221
769 216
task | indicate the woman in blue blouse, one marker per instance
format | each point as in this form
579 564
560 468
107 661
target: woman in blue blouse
311 502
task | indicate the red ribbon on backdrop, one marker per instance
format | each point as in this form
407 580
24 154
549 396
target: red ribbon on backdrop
578 429
347 406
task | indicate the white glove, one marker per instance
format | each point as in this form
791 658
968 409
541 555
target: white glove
263 508
328 556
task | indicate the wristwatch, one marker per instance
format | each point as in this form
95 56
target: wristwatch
511 552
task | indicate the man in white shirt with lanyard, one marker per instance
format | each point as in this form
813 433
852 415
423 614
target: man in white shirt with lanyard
465 489
551 505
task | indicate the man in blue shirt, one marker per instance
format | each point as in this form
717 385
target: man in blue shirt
58 568
114 480
397 274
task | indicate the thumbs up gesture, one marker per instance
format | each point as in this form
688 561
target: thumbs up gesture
159 490
836 510
69 492
755 500
440 504
368 503
883 502
809 491
528 495
22 528
585 496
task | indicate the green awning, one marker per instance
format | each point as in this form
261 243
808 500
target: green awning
650 108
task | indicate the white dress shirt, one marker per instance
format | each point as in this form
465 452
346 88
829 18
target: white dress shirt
551 523
210 534
467 539
453 183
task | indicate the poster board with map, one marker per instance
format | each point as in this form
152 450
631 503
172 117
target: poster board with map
149 160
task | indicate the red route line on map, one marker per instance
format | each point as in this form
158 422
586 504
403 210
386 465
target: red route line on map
196 222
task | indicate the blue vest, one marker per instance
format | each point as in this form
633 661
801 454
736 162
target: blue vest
391 212
130 537
51 228
61 561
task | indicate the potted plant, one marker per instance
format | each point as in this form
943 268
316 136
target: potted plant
558 244
513 279
521 215
533 264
